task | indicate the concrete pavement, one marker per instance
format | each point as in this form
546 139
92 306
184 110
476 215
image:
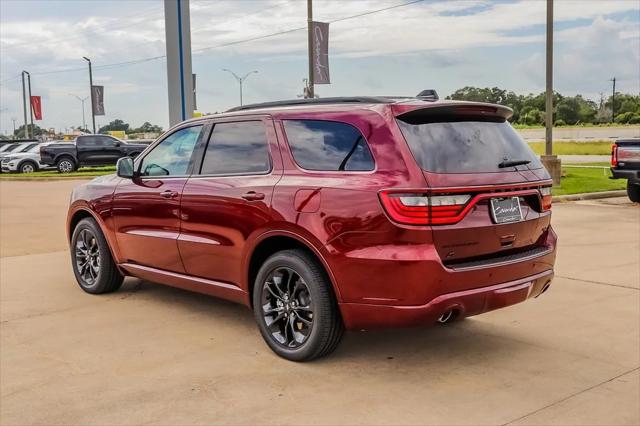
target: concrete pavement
153 354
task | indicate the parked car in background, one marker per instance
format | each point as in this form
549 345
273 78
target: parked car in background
90 150
26 161
17 148
327 214
625 164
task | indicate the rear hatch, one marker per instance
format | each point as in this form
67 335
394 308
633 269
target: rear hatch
488 195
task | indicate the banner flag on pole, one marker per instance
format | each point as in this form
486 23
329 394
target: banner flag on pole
98 100
36 107
320 52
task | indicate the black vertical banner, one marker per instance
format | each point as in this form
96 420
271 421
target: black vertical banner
320 52
98 100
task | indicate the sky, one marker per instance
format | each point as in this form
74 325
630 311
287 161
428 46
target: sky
435 44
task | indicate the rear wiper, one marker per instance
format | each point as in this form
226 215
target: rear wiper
512 163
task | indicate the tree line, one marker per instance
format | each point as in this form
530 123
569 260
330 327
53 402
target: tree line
567 110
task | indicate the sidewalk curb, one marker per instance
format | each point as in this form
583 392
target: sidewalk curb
589 196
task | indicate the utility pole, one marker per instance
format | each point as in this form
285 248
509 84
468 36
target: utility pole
24 107
31 130
84 123
310 91
550 161
613 101
240 80
93 113
14 125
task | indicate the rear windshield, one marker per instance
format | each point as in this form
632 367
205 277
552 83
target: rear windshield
467 146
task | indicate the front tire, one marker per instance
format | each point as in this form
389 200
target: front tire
28 167
633 191
93 266
294 306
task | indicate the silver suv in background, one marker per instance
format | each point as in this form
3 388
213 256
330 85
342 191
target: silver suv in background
24 159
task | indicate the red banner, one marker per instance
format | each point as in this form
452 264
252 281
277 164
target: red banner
36 107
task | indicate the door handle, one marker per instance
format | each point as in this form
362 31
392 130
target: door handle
253 196
169 194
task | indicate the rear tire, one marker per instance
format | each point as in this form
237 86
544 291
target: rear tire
66 165
633 191
93 266
294 306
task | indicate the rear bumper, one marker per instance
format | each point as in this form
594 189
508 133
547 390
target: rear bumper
464 304
626 174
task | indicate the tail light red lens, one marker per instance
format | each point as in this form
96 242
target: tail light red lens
614 155
545 193
423 209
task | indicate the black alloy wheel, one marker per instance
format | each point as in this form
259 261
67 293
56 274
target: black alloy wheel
87 257
287 308
295 307
93 266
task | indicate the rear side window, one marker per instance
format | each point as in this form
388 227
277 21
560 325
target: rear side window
328 146
237 148
467 146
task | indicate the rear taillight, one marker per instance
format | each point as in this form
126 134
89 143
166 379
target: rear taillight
545 193
614 155
423 209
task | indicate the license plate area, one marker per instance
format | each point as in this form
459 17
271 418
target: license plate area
506 210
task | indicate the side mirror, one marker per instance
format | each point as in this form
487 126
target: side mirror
116 144
124 168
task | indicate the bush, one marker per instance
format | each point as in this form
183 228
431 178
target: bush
559 123
635 119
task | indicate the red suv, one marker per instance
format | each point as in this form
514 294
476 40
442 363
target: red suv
328 214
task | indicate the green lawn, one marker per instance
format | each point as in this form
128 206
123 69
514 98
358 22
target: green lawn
574 148
83 172
581 180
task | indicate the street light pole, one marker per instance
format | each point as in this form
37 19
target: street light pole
93 113
24 107
84 123
30 108
550 161
310 88
239 79
14 126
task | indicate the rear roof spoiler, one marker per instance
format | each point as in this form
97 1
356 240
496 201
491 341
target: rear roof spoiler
415 114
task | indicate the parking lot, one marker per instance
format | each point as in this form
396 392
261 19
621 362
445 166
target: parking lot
154 354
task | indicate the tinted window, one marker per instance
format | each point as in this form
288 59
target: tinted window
466 146
237 148
328 145
105 141
172 155
87 141
26 148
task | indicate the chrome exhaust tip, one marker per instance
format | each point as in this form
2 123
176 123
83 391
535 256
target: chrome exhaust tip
447 316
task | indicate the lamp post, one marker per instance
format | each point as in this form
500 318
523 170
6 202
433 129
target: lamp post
93 113
84 123
30 108
240 80
24 106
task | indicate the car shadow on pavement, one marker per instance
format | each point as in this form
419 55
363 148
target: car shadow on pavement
466 341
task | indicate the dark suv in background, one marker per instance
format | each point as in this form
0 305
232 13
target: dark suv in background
90 150
327 214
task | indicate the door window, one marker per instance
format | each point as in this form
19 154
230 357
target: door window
237 148
171 157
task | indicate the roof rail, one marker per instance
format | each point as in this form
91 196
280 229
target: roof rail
318 101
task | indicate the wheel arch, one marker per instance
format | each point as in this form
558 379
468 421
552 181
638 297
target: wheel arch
82 212
273 242
28 160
